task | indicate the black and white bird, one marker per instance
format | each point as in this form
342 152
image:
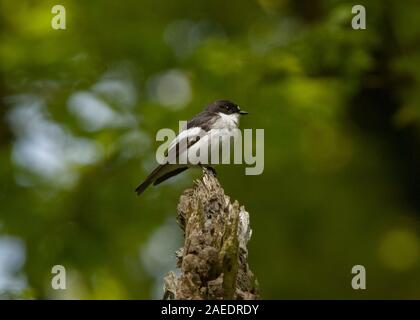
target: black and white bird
219 117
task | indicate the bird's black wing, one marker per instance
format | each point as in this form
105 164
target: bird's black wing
196 128
204 120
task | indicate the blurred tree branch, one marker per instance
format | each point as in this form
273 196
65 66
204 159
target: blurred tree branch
213 260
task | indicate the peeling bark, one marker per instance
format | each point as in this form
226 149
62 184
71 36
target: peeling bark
214 258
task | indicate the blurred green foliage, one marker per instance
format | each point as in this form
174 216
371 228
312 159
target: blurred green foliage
80 109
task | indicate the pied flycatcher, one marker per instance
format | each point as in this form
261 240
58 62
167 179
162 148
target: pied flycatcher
220 116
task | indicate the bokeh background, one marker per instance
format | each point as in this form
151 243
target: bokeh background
80 109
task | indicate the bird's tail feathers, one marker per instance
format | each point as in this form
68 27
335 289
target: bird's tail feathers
148 181
168 175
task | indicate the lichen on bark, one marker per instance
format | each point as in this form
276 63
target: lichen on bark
214 258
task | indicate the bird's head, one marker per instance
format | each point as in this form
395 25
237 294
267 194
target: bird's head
226 107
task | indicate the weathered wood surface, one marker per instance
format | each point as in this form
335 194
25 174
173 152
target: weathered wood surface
214 259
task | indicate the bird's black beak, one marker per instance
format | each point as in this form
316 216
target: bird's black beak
243 112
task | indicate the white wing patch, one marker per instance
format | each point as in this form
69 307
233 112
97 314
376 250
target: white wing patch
181 142
185 134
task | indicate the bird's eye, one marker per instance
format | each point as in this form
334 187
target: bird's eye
226 107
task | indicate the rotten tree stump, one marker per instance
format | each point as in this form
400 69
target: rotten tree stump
214 259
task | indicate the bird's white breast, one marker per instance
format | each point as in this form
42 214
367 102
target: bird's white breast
226 121
221 132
